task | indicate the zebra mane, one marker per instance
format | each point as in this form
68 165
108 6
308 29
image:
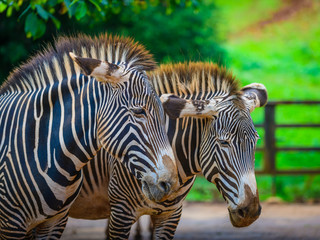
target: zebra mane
113 49
194 79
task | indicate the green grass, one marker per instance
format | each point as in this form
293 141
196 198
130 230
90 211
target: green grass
285 57
204 191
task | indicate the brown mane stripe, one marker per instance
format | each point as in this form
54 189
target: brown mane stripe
194 78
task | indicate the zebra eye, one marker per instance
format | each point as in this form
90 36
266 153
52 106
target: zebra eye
139 111
224 143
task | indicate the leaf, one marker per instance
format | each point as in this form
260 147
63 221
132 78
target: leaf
9 11
169 10
24 12
53 3
70 10
55 21
20 2
81 10
73 2
3 7
29 35
34 26
96 4
42 13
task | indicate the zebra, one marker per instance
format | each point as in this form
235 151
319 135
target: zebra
211 132
58 110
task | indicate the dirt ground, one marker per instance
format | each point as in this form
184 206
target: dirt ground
205 221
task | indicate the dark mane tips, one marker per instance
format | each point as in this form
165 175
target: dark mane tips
195 78
116 48
105 47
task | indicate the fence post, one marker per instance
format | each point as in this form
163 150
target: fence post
269 145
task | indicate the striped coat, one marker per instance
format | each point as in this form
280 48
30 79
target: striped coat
58 110
213 135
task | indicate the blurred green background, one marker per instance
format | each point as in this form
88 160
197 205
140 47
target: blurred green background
277 43
274 42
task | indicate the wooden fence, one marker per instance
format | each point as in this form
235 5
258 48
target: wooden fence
270 148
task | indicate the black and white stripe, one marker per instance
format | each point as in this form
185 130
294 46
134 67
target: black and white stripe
54 119
219 143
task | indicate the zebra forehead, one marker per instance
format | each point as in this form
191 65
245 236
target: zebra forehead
236 122
103 47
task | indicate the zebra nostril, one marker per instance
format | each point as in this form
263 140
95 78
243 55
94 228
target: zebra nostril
259 210
241 213
164 186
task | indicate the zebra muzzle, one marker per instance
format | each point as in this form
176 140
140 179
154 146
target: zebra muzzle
243 217
155 191
246 212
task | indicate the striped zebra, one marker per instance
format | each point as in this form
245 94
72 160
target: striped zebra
57 111
214 136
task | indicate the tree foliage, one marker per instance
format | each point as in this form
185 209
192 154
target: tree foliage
36 13
182 31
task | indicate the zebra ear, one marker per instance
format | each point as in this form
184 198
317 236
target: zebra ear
255 95
101 70
177 107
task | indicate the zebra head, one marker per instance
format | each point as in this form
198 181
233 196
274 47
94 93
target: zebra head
130 125
228 141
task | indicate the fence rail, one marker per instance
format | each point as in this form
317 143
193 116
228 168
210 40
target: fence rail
270 149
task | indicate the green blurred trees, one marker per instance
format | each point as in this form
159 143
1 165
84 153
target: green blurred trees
36 13
173 30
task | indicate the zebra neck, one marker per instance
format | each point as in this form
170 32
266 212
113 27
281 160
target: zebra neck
185 137
83 102
67 123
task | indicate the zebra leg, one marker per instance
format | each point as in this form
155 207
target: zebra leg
138 234
53 227
107 230
120 223
151 229
165 225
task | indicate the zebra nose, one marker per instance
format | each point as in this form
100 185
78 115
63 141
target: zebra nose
244 216
243 212
155 191
249 212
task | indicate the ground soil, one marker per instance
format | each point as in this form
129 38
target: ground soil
205 221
